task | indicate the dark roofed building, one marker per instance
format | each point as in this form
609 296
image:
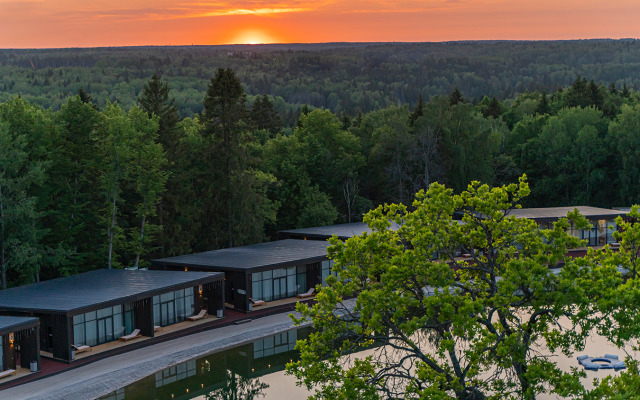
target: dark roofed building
19 339
265 271
342 231
548 214
101 306
602 221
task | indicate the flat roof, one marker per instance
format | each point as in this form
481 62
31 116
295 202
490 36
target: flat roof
13 324
279 253
555 213
342 231
96 289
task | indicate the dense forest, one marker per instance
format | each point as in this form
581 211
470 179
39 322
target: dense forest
344 78
91 184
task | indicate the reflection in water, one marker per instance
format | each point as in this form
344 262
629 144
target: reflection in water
239 388
229 375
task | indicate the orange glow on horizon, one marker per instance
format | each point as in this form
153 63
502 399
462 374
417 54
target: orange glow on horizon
78 23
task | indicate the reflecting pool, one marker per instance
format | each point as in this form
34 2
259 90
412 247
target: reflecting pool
251 371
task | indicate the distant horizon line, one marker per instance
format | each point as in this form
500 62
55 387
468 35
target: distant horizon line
323 43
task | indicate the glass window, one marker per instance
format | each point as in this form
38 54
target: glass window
257 276
189 305
302 281
256 290
78 334
267 289
167 296
291 271
291 286
90 316
156 314
91 334
180 310
78 319
105 312
118 326
280 272
267 274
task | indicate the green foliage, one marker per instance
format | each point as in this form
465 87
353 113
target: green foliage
21 250
146 184
467 327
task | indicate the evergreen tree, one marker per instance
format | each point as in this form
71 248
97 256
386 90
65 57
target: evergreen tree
86 98
595 95
418 111
264 116
225 128
493 108
155 101
456 97
542 107
625 91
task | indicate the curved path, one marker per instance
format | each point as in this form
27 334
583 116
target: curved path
103 377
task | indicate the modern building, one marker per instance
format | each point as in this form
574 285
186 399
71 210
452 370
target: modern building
101 306
602 221
342 231
19 344
600 233
266 271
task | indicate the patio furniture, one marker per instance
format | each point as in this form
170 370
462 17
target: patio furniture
7 373
308 293
132 335
257 302
200 315
81 348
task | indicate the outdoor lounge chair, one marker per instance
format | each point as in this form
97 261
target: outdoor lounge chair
257 302
7 373
200 315
308 293
132 335
81 348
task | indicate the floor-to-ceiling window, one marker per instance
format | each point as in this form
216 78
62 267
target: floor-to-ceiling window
275 284
173 307
97 327
327 265
599 234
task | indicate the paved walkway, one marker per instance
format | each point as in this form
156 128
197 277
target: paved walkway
102 377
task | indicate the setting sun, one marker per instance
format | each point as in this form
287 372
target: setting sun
253 36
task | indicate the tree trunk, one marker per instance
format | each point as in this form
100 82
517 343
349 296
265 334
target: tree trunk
229 207
144 218
113 215
3 259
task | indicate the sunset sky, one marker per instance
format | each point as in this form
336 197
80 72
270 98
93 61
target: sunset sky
89 23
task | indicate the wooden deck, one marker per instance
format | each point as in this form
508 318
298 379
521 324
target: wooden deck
281 302
117 344
20 373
